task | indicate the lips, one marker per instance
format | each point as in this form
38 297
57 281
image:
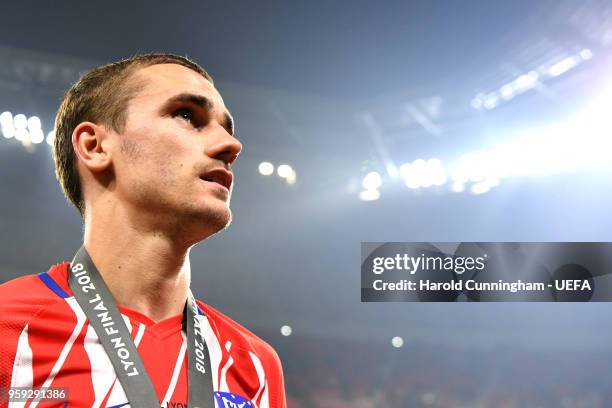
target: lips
219 176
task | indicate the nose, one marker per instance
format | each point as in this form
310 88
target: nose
223 146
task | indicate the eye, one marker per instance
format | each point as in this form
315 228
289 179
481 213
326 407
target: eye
185 114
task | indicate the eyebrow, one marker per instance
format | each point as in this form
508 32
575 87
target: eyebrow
204 103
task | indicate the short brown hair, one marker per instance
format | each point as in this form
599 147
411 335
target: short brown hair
100 96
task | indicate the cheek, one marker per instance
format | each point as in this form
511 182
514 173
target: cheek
130 149
167 174
153 184
154 159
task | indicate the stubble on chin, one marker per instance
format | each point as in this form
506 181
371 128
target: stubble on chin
191 221
208 221
158 198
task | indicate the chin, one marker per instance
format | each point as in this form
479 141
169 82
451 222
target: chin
212 221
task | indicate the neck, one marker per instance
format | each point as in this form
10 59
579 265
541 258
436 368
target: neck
144 268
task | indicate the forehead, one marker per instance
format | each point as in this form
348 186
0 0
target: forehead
165 80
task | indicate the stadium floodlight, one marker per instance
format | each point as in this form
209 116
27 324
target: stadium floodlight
6 116
460 174
468 168
421 173
284 170
8 131
397 342
6 119
591 131
37 136
457 187
266 168
491 101
481 187
286 330
527 81
411 176
493 181
426 176
392 170
291 178
20 121
586 54
581 141
34 123
477 101
436 172
562 66
50 138
404 169
372 181
369 195
22 135
519 85
482 165
419 166
507 91
6 125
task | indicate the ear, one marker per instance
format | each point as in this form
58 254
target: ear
90 143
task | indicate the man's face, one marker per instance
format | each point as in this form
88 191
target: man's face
172 161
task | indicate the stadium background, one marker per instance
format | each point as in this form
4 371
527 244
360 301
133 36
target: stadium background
510 99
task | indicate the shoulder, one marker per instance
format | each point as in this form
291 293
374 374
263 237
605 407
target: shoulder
254 348
22 301
23 298
26 295
239 335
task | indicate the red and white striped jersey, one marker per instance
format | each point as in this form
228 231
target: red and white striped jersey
46 341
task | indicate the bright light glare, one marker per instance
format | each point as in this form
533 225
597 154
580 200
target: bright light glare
392 170
6 125
291 178
582 141
37 136
476 103
397 342
6 118
284 170
369 195
266 168
457 187
34 123
426 175
50 138
410 175
527 81
562 66
20 121
372 181
565 146
491 102
8 131
421 173
586 54
436 172
22 135
507 91
286 330
480 188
